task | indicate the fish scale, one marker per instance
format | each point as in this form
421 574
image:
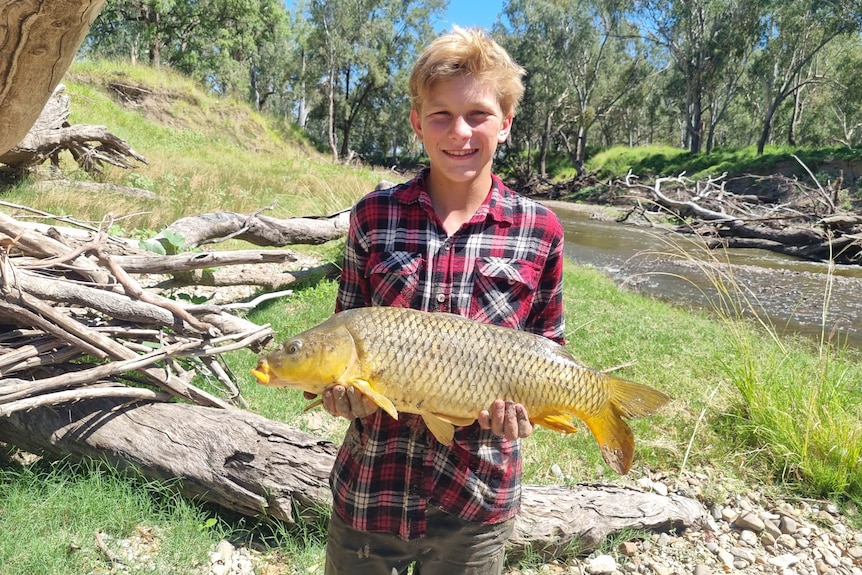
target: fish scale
448 368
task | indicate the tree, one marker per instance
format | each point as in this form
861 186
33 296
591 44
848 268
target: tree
701 39
578 66
795 32
362 45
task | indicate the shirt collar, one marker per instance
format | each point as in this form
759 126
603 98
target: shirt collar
498 205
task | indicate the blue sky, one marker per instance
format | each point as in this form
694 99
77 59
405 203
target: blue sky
466 13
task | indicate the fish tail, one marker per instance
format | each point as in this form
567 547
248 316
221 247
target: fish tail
635 399
615 438
612 433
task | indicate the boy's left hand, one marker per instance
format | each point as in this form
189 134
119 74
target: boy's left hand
507 419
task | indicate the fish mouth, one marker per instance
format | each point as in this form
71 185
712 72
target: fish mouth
262 373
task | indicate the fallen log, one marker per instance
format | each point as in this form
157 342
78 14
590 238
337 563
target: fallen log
724 219
257 229
39 41
256 466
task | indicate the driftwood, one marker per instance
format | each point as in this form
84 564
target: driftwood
90 146
39 42
258 229
84 334
79 321
257 467
809 224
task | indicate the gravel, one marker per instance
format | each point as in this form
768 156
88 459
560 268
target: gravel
749 531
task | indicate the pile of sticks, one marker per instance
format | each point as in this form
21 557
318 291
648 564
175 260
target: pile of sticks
75 324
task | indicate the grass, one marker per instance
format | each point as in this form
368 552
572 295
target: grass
52 514
747 403
658 161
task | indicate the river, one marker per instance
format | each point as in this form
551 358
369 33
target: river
795 296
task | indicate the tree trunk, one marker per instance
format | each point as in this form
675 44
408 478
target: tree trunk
39 42
253 465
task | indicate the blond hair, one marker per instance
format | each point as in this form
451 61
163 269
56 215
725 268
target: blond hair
467 52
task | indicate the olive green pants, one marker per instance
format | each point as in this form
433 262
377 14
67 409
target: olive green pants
451 546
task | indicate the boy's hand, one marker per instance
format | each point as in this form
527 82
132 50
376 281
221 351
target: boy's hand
507 419
345 402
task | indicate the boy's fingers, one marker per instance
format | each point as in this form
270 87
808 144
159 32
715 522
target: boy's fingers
525 428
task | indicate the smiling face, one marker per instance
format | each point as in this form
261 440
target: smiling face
460 122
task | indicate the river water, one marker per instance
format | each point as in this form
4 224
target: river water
795 296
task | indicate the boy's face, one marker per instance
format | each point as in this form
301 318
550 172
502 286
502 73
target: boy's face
461 123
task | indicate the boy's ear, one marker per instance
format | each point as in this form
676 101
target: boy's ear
505 128
416 123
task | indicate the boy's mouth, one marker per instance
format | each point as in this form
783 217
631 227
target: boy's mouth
461 153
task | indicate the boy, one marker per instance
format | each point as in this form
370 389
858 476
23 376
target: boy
454 239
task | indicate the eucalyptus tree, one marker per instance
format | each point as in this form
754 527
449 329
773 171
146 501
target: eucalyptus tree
360 45
703 41
579 67
844 97
227 44
796 32
534 38
133 29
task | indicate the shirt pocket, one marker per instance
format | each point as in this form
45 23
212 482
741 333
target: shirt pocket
394 278
503 291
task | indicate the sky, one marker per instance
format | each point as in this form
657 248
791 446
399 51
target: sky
482 13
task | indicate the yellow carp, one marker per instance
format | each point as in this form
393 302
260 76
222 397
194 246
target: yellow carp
448 368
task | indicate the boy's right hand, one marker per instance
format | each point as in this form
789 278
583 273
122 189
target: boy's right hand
345 402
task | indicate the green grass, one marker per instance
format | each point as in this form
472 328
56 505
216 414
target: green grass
659 161
50 514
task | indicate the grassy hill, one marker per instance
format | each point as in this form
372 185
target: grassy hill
203 153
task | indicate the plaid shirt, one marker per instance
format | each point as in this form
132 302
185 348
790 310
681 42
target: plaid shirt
504 266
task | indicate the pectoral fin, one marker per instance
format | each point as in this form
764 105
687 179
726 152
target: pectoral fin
377 397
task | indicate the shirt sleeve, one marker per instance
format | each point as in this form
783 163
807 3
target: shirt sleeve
353 286
546 314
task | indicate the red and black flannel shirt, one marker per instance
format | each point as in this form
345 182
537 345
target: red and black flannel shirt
504 267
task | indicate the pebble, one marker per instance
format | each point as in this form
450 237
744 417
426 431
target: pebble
602 565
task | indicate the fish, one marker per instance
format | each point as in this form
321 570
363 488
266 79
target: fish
447 368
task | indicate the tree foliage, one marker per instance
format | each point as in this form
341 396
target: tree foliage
690 73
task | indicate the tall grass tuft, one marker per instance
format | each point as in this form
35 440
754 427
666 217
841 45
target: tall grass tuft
798 409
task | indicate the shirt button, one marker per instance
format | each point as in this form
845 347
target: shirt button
511 282
441 297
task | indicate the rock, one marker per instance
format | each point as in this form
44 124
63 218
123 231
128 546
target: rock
627 548
749 521
601 565
783 561
787 525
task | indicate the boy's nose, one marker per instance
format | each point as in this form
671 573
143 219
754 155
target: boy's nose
460 128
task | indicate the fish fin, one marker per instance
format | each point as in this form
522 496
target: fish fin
456 421
377 397
615 438
613 434
443 430
558 421
635 399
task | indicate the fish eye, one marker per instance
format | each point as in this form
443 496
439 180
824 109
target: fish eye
293 347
